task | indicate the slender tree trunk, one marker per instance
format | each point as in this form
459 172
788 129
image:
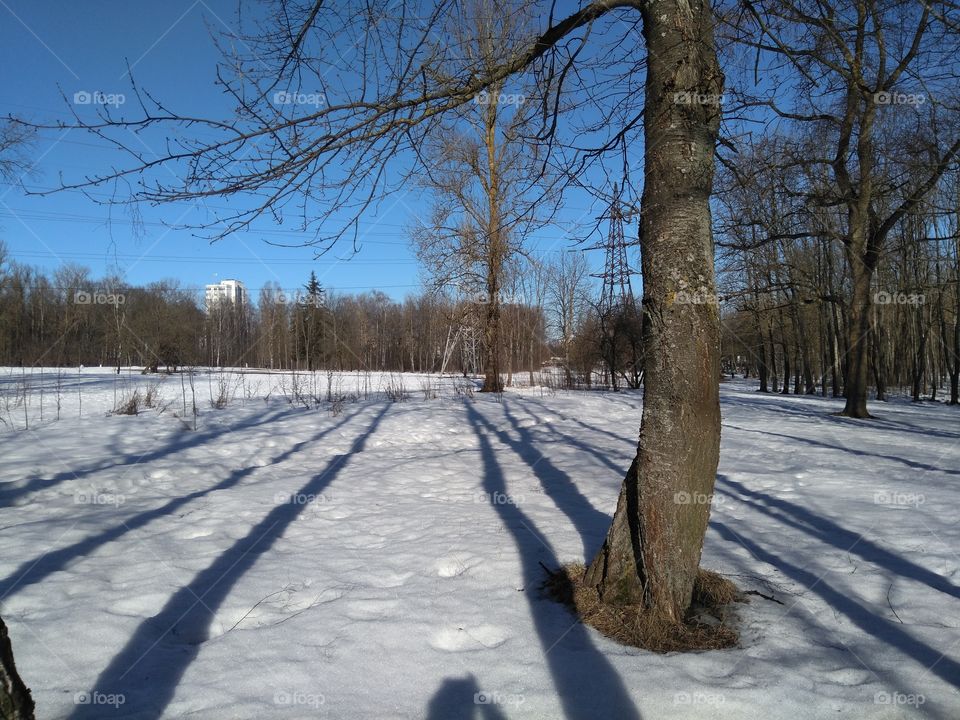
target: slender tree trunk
652 551
495 254
492 381
15 700
954 363
774 376
763 371
804 363
879 377
838 366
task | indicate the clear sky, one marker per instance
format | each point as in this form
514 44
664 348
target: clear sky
53 52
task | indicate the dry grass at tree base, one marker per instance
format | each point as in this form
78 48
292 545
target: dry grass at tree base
706 627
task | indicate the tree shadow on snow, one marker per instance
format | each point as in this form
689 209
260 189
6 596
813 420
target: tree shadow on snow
893 634
813 407
590 523
35 570
827 531
149 668
586 682
853 451
631 441
570 440
183 440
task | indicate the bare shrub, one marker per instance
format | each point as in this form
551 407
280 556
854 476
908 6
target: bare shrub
223 396
299 391
463 388
395 389
152 397
428 389
12 396
129 404
250 389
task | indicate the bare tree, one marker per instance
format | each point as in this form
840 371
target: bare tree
345 152
481 170
15 138
569 276
871 82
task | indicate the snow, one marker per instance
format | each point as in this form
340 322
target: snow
383 561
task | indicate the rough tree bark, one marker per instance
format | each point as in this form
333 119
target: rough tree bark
496 253
15 700
857 376
652 551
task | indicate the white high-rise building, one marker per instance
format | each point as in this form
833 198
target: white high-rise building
229 291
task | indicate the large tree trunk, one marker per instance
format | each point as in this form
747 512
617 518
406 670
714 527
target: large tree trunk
652 551
15 700
856 382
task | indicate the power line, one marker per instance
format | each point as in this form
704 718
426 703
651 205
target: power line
210 260
99 287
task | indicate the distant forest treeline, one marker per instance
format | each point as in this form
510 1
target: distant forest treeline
70 319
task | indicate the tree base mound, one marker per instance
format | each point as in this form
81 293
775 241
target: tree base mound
854 416
708 625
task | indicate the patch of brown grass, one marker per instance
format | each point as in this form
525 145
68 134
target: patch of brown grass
708 625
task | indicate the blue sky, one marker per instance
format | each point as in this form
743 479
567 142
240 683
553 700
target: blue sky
50 51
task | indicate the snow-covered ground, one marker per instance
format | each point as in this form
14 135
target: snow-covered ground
382 559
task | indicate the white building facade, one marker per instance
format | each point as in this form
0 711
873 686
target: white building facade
227 291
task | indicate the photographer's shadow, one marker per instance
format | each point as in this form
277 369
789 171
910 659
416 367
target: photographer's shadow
462 699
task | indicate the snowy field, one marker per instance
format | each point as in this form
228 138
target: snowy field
364 558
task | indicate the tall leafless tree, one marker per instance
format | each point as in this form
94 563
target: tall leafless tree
867 84
654 69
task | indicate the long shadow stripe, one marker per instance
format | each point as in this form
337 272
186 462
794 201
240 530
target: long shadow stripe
186 439
149 668
829 532
587 684
33 571
579 444
863 617
590 523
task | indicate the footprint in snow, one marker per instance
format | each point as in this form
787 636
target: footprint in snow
456 564
370 609
193 533
464 638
